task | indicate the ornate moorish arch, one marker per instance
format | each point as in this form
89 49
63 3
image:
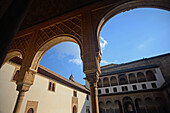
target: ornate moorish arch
128 105
115 9
77 29
11 54
49 44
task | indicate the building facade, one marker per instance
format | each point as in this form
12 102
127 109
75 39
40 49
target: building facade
51 93
141 86
136 87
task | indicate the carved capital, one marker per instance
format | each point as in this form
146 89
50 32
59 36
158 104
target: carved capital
25 80
23 87
29 76
93 78
99 55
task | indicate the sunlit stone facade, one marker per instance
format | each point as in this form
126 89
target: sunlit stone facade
136 87
50 93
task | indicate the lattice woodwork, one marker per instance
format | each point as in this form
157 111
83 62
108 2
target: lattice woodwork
70 26
21 44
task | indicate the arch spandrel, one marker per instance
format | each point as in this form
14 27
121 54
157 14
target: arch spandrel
34 45
45 46
21 44
11 54
70 27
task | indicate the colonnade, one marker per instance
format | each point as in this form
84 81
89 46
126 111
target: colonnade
33 46
121 79
137 105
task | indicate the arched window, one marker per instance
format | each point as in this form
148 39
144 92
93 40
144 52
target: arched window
113 81
99 83
118 107
132 78
109 106
122 79
74 109
53 87
150 76
49 86
106 82
141 77
150 105
140 107
161 106
101 107
30 110
128 105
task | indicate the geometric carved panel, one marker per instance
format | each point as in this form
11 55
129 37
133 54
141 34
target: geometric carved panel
71 26
74 104
21 43
31 105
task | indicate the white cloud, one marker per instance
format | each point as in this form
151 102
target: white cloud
115 61
104 62
76 61
141 46
103 43
66 49
145 43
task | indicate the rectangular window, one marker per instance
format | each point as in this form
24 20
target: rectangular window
134 87
87 97
107 90
87 109
123 88
75 93
144 86
154 85
99 91
126 88
115 89
51 86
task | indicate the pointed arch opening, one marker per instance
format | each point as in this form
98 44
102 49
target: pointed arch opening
12 54
141 77
150 75
128 105
118 107
106 82
49 44
160 4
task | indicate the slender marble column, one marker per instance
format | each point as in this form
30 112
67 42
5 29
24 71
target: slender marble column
94 97
19 102
93 79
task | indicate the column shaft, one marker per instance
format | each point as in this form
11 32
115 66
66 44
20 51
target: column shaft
94 98
19 102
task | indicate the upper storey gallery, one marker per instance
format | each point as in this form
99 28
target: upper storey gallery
143 74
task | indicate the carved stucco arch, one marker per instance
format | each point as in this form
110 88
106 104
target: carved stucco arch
11 54
44 47
126 6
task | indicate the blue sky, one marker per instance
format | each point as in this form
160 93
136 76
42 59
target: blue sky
128 36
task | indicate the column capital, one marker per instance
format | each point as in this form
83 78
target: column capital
93 77
25 80
23 87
